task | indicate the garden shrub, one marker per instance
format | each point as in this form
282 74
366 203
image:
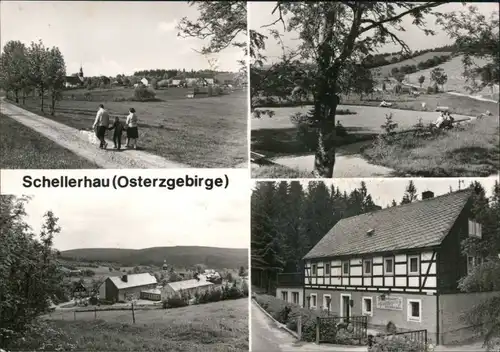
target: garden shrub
397 344
176 301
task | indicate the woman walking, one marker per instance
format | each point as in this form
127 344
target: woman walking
132 131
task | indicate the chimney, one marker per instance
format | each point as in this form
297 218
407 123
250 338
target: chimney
370 232
124 278
427 195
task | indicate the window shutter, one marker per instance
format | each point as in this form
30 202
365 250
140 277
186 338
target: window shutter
471 228
478 229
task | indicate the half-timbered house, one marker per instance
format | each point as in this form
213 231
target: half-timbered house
400 264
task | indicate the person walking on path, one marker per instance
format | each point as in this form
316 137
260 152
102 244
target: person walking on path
101 123
132 131
117 133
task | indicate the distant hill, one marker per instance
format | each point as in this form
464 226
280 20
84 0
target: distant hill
180 256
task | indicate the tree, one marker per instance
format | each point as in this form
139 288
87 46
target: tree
334 35
29 274
37 57
14 68
411 194
54 75
439 77
421 80
363 82
242 271
476 36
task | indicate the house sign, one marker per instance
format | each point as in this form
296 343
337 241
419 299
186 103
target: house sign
390 303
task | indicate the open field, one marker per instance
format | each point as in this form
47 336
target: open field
200 132
471 150
27 149
221 326
386 70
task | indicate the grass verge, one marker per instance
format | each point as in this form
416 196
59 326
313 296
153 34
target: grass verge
468 151
221 326
278 171
23 148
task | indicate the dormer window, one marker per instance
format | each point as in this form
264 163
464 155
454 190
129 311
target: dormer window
475 229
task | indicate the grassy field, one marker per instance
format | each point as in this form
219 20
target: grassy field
386 70
200 132
278 171
473 150
27 149
454 70
221 326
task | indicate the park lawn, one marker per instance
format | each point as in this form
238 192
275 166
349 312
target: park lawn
27 149
220 326
209 132
470 151
457 104
278 171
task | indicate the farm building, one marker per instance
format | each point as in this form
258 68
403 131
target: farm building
176 82
119 288
145 81
75 81
401 265
186 286
152 294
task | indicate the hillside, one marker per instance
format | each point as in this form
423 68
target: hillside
180 256
386 69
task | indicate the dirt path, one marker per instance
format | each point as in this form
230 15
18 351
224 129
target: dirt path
79 143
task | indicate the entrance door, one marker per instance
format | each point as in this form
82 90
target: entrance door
346 306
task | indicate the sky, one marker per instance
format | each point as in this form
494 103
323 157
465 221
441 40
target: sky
110 38
383 191
260 13
138 220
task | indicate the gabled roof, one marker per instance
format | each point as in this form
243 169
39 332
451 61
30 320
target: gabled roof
416 225
133 280
188 284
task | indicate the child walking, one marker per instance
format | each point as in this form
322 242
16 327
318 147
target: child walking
117 134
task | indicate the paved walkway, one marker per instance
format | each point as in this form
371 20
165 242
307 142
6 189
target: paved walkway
80 143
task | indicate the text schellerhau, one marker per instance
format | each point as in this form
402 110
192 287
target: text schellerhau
123 181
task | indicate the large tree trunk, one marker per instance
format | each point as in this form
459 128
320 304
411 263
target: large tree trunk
324 160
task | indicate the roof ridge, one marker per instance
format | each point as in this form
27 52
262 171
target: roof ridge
408 204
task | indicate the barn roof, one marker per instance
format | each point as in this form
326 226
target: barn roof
188 284
133 280
416 225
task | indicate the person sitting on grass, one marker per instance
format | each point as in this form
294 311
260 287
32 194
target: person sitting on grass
117 133
101 124
132 131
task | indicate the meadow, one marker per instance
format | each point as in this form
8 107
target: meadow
385 70
27 149
199 132
220 326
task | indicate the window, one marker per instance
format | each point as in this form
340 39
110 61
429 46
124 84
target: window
367 267
284 296
388 266
327 305
314 300
475 229
345 268
367 306
472 262
413 262
415 310
314 272
327 269
295 297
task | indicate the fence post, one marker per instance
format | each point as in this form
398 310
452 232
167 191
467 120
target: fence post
299 327
95 313
133 313
317 330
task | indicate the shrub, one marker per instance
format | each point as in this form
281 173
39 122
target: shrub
176 301
142 93
397 344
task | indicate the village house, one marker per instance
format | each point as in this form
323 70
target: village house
75 81
401 265
120 288
186 287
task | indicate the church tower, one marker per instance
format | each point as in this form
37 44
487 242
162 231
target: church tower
81 72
